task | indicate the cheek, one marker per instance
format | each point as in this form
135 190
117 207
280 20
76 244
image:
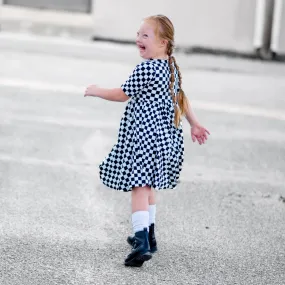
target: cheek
152 44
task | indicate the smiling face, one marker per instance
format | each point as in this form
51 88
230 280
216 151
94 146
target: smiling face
148 42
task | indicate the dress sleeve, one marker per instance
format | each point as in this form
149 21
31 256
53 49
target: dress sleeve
141 76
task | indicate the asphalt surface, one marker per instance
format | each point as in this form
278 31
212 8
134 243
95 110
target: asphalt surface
224 224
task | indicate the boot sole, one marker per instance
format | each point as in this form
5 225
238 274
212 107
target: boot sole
139 260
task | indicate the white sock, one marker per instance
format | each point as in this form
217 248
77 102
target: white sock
140 220
152 212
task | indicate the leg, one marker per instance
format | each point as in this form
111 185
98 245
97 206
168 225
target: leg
152 198
140 221
152 207
140 198
138 204
140 214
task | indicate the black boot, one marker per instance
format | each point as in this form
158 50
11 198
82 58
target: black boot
130 240
151 239
140 251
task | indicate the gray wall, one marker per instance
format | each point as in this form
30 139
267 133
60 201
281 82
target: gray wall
281 31
221 24
65 5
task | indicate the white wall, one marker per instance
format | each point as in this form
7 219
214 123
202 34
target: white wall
221 24
60 5
282 33
278 34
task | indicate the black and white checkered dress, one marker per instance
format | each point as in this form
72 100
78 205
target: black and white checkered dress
149 150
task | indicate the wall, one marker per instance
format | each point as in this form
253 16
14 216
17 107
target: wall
63 5
219 24
279 41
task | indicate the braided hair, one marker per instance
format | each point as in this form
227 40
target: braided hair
165 30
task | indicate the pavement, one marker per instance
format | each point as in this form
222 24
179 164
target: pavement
224 224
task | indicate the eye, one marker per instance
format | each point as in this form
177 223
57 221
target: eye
145 36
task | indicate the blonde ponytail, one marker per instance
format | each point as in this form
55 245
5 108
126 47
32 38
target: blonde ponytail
180 101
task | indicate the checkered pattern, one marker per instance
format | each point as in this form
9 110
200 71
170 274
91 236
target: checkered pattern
149 150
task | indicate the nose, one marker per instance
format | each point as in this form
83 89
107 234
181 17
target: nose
138 39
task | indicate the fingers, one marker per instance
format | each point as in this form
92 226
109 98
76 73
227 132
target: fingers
205 132
91 91
204 136
200 139
86 92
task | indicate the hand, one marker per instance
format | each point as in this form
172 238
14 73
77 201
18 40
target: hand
91 90
199 133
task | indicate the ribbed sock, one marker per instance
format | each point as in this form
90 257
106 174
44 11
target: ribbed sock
152 212
140 220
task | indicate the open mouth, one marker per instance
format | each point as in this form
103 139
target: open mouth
141 47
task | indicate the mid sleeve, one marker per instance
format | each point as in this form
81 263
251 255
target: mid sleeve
140 78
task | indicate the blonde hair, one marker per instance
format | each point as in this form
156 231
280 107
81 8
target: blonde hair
165 30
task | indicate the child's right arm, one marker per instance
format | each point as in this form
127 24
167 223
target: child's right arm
115 94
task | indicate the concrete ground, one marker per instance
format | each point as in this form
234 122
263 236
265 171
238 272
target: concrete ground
224 224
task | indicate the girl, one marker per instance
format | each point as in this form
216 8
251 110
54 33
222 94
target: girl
149 152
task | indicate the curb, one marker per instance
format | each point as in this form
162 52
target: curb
127 54
256 55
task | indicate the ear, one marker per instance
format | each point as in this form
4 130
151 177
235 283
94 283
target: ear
164 43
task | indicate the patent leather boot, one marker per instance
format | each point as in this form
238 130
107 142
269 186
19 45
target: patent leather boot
140 250
151 239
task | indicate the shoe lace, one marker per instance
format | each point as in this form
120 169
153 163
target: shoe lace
134 244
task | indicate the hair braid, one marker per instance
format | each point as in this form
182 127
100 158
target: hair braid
177 112
165 30
180 100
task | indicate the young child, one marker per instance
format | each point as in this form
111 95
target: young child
149 152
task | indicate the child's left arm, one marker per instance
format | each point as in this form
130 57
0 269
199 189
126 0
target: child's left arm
198 132
115 94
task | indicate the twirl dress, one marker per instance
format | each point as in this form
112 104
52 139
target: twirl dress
149 150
